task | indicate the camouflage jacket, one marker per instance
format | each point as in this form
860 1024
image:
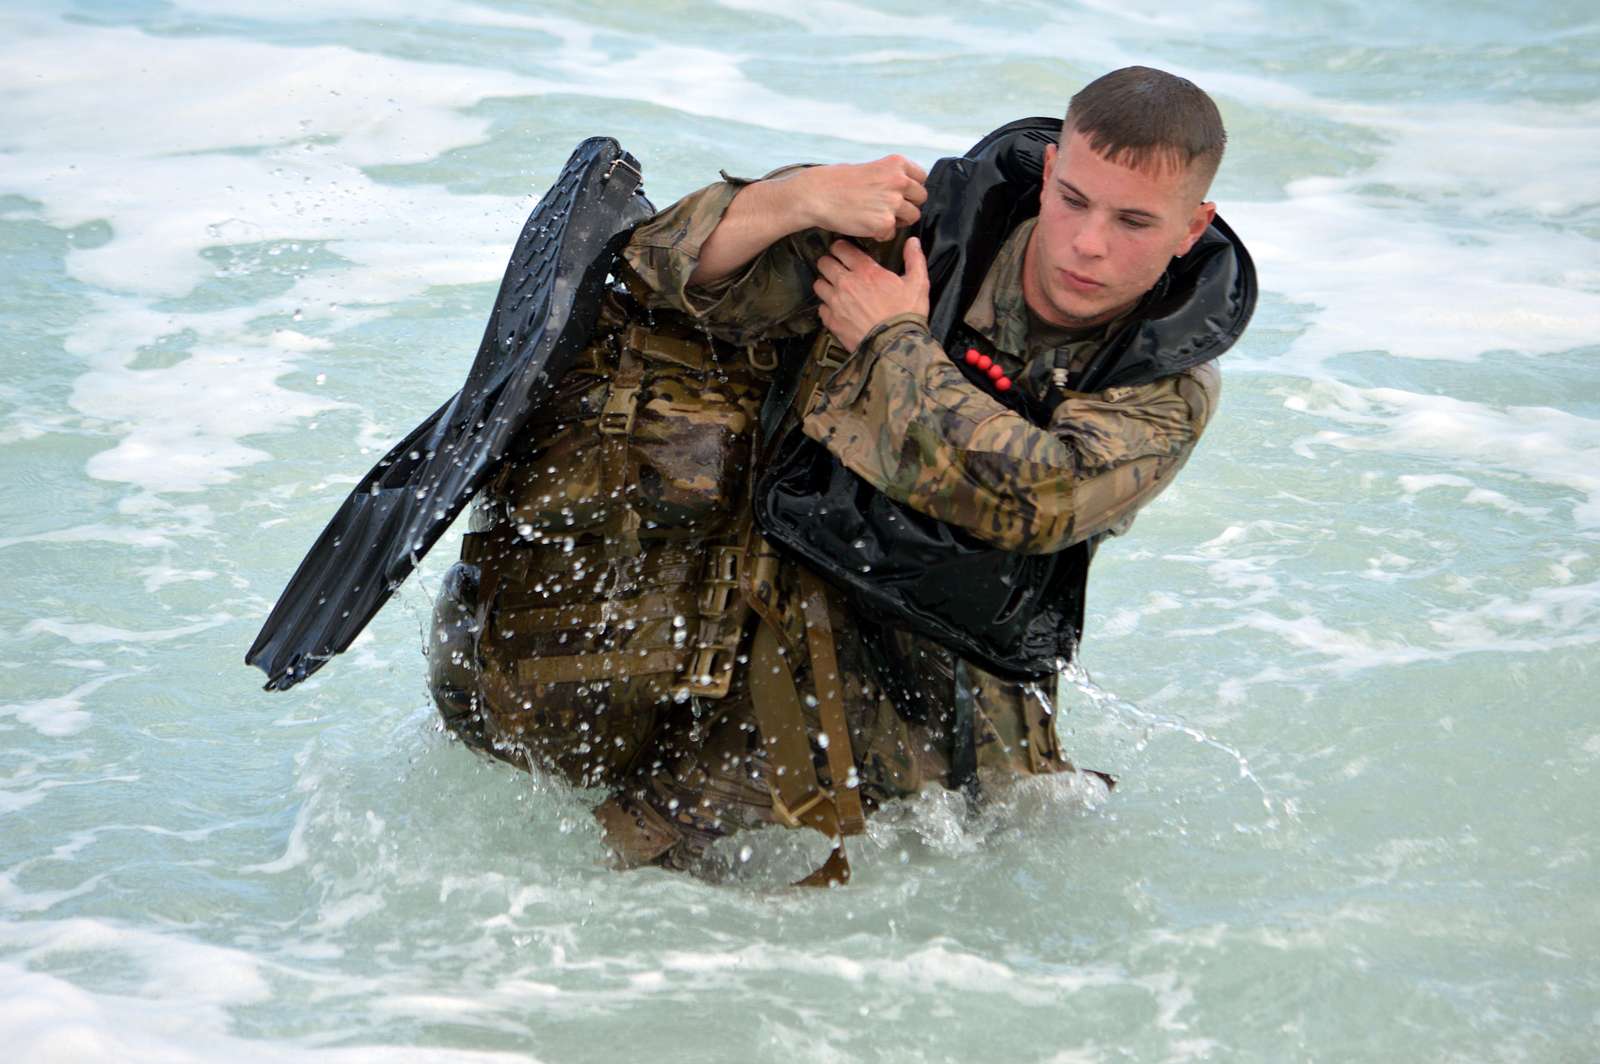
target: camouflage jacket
902 416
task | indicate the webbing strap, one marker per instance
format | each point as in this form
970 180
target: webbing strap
798 799
793 388
616 434
1041 732
793 778
829 686
691 354
580 668
647 607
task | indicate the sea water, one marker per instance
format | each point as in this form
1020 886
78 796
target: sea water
1345 669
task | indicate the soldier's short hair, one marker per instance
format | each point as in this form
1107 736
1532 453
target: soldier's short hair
1145 118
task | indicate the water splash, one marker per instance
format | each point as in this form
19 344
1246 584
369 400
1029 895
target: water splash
1074 674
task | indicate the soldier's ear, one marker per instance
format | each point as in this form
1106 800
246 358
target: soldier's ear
1199 221
1049 167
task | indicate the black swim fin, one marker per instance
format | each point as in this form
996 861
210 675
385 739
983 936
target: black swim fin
546 310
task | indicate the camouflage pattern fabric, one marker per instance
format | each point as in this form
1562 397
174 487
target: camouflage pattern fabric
902 416
710 775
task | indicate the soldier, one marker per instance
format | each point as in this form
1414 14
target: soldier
619 617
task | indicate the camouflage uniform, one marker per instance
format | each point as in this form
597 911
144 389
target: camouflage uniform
900 415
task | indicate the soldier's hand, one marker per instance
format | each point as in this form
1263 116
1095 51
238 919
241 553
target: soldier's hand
857 293
870 200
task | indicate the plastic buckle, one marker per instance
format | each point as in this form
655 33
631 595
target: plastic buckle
722 582
790 818
762 582
826 357
710 672
616 417
765 364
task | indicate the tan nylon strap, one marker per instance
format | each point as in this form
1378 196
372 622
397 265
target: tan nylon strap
663 348
616 434
588 614
798 799
829 686
581 668
783 730
1040 736
759 583
826 356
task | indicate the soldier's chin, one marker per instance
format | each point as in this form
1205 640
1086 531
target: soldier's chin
1073 310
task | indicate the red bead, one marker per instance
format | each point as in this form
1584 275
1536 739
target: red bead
1003 384
984 362
995 372
973 356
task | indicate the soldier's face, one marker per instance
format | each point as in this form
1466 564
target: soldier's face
1105 234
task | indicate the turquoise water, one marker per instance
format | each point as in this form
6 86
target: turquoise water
1345 668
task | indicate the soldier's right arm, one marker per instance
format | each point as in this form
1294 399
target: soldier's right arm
740 255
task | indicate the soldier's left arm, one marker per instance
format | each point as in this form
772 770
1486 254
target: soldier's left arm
770 295
903 417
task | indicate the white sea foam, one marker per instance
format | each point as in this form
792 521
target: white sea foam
941 964
1474 496
16 900
1542 444
177 1018
162 575
1495 271
87 633
308 782
1541 621
119 535
99 133
855 20
1073 37
62 715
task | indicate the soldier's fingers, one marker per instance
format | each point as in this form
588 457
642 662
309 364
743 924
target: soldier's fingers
915 171
830 267
906 214
851 257
916 262
916 192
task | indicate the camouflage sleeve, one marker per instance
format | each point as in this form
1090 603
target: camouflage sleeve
769 298
902 416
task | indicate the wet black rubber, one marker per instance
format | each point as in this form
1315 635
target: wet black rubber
542 319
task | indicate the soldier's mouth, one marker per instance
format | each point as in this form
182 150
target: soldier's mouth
1078 282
